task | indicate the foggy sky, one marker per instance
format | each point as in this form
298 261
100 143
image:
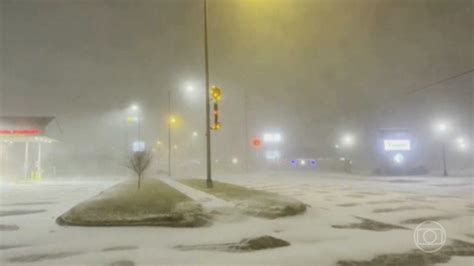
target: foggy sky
310 68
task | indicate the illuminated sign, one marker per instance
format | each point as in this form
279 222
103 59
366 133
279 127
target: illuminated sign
138 146
272 138
397 144
19 132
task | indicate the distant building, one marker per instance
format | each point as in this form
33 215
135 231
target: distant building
398 153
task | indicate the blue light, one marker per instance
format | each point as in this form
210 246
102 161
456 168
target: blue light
293 162
313 162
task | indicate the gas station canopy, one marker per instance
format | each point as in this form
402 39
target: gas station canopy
25 129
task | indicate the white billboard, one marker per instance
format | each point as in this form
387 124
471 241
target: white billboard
272 137
397 145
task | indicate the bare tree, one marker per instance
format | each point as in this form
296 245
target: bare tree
139 162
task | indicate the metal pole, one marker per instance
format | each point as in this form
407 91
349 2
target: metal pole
209 183
443 150
169 133
1 160
39 170
246 132
139 128
25 169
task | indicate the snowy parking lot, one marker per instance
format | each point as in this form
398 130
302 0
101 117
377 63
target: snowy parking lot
324 235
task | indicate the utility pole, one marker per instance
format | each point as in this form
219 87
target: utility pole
209 183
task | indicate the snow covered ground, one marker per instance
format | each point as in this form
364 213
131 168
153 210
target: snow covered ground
30 236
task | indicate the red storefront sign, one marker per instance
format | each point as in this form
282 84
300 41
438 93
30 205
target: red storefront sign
19 132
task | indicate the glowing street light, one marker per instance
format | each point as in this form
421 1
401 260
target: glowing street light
462 144
348 140
442 127
195 134
235 160
172 120
189 89
134 107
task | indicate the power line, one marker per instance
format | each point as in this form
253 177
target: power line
440 81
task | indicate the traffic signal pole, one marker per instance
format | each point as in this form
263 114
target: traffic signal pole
168 118
209 183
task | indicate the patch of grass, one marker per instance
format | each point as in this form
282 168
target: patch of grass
401 208
250 201
19 212
417 257
245 245
155 203
429 218
368 224
41 257
347 204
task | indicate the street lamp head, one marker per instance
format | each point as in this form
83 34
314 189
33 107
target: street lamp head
172 120
348 140
442 127
189 89
134 107
195 134
462 144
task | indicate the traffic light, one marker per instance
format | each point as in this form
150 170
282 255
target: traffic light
216 97
216 125
216 94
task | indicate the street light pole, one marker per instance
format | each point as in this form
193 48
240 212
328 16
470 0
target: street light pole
209 183
139 128
443 151
246 144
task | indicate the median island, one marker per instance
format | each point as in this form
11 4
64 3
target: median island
250 201
154 204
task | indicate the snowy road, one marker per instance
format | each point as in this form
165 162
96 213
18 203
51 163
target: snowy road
30 236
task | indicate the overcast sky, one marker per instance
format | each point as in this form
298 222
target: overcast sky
311 68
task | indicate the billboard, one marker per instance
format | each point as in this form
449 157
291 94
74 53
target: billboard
397 145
